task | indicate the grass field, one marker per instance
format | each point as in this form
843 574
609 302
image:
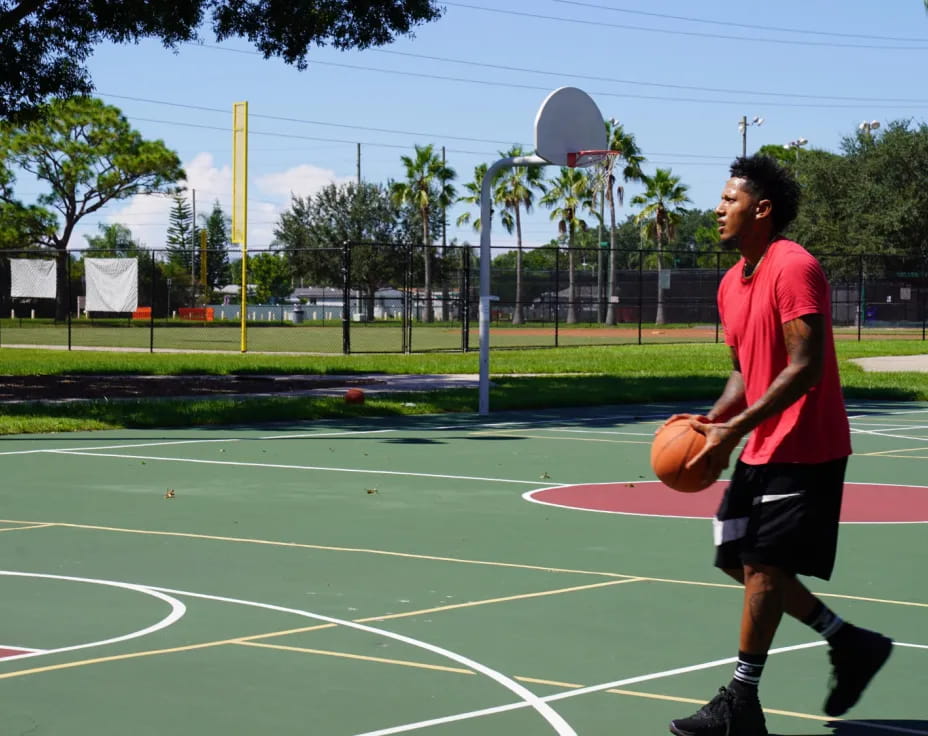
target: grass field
524 379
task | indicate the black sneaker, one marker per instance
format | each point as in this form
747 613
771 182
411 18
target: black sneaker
854 664
725 715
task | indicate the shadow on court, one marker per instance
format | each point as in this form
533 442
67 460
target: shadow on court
872 726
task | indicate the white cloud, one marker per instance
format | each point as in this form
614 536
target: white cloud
147 216
301 181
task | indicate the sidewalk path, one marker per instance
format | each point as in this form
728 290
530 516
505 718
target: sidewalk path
894 364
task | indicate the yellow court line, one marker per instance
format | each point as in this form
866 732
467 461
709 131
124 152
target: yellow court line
521 596
325 548
20 528
887 452
152 652
361 657
302 629
694 701
112 658
436 558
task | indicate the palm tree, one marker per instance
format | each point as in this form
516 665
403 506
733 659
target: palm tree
472 197
427 185
631 156
567 194
662 199
515 190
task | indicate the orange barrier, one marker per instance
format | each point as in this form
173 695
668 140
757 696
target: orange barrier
197 314
142 313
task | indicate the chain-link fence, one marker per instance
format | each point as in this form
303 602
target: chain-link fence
400 298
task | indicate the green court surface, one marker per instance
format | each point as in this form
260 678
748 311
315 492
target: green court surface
395 576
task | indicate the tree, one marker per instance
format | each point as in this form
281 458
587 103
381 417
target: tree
566 195
314 230
870 199
217 226
474 192
43 45
631 160
180 234
271 275
663 201
113 241
515 191
780 153
427 188
21 226
88 155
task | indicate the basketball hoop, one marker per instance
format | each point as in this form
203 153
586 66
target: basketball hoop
585 159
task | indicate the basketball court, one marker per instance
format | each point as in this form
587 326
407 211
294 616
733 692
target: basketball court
514 574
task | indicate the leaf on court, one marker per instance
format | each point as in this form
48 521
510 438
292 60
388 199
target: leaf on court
544 475
371 490
170 493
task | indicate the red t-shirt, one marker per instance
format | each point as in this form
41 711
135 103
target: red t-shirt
788 283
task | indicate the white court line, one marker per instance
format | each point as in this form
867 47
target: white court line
608 686
529 699
132 445
575 692
598 431
27 650
881 433
281 466
889 413
178 610
312 435
117 447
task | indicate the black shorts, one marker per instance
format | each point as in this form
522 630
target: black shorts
781 514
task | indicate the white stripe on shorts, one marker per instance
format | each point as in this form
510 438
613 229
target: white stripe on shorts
729 530
775 497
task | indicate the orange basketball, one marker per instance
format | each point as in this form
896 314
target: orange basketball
673 447
354 396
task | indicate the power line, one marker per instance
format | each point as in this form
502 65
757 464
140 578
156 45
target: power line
731 24
698 34
620 95
442 136
591 77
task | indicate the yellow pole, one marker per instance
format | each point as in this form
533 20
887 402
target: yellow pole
203 268
240 201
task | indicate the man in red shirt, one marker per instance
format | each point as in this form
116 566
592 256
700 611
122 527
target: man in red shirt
779 516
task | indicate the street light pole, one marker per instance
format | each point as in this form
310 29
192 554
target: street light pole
796 144
866 127
743 126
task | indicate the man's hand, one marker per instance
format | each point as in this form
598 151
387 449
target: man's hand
721 441
675 417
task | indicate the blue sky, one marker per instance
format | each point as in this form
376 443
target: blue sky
679 75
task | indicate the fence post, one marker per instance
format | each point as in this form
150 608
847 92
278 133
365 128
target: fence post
151 308
640 290
557 291
68 269
464 300
861 306
718 279
346 298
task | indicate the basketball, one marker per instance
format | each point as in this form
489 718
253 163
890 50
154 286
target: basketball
354 396
673 447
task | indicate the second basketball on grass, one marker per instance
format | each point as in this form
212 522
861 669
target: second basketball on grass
673 447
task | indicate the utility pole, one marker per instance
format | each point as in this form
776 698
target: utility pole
193 249
359 165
